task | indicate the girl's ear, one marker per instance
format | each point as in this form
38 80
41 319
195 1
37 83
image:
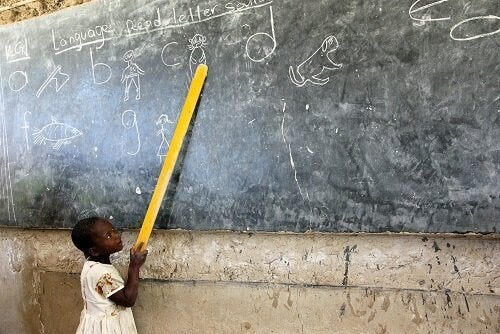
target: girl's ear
93 252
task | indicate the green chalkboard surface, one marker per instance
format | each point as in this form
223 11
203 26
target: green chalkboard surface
330 115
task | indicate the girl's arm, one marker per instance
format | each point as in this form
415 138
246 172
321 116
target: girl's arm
126 297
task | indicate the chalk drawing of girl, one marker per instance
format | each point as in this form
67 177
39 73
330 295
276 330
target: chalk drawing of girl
197 55
164 145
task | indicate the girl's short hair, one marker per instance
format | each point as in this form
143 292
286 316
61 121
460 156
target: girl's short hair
81 233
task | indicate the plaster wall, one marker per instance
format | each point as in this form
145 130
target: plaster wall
226 282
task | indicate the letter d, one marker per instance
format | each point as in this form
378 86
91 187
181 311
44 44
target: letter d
157 22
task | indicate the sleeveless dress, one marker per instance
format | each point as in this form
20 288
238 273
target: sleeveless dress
100 315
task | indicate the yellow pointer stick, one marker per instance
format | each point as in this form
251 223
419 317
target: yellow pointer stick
172 154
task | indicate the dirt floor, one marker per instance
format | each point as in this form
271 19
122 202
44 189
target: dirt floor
15 11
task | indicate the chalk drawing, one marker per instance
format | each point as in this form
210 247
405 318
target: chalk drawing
164 145
58 77
57 133
130 75
197 55
129 121
312 69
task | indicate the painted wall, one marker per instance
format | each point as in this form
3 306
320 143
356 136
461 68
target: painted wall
200 282
223 282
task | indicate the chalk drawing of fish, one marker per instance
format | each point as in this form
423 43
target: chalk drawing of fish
55 132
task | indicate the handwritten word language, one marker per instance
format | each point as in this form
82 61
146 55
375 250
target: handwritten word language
96 35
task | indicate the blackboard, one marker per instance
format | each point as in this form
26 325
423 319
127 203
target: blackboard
334 116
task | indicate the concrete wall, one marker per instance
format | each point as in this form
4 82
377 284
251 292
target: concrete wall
224 282
260 283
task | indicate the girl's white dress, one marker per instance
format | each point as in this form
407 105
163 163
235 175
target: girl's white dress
100 315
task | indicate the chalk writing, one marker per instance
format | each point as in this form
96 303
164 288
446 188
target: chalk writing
105 70
179 18
142 24
129 121
18 80
464 25
257 58
164 55
95 35
17 51
491 18
425 18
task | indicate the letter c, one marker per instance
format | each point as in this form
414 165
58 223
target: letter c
163 55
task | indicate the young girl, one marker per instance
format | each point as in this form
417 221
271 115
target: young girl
106 296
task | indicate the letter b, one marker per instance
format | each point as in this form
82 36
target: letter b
103 69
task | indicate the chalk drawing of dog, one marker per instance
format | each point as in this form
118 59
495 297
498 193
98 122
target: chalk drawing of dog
311 69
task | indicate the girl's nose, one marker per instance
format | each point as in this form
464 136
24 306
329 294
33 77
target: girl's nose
117 234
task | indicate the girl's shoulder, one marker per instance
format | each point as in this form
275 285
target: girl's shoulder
98 269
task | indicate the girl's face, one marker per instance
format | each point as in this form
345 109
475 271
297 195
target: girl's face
106 238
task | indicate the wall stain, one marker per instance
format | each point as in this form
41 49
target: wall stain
372 315
275 297
289 301
484 319
448 298
246 325
342 310
466 303
386 303
371 295
383 329
357 314
436 247
417 319
455 268
347 254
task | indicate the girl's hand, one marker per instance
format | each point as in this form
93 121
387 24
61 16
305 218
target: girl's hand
137 257
127 296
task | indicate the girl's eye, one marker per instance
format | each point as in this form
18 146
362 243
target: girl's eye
108 236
